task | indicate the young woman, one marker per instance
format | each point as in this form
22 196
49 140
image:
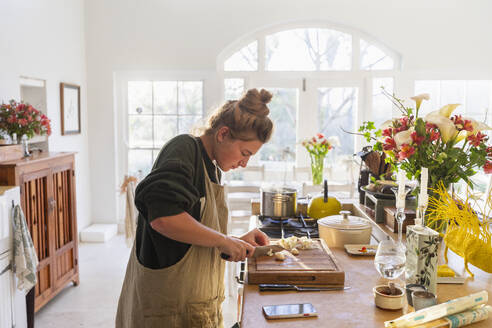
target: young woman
175 274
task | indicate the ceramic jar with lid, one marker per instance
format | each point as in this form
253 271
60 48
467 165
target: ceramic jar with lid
339 230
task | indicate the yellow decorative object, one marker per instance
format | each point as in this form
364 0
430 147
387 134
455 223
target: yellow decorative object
445 271
466 234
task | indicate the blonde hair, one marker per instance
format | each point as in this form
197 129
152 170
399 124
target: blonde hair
246 118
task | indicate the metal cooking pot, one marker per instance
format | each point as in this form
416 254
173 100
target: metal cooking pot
278 202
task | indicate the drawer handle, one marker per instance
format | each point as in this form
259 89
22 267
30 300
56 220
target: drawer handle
7 268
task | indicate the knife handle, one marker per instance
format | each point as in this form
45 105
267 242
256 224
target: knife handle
276 287
225 256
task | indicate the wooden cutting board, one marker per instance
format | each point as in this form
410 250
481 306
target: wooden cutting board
316 266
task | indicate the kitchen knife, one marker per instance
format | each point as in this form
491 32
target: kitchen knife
259 251
283 287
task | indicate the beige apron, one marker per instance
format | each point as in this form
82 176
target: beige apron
187 294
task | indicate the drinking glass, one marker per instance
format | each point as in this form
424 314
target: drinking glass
390 259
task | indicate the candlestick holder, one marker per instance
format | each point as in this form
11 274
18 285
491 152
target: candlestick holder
400 211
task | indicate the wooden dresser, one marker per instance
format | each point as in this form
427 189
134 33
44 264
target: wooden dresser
47 186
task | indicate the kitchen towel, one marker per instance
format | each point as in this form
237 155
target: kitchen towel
25 258
128 188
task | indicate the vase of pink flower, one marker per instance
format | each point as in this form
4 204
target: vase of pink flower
318 147
20 118
452 147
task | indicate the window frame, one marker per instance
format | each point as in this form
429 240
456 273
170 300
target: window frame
121 79
362 77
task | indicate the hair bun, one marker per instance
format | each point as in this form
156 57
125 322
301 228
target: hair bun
254 102
265 96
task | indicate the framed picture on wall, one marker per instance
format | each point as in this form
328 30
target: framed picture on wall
70 108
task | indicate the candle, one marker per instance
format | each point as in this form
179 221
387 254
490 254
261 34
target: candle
423 198
400 199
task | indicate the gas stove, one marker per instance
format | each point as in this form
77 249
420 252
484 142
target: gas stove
287 227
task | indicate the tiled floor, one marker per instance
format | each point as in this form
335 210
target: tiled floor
93 303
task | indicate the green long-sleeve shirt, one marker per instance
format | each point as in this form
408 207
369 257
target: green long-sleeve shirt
175 184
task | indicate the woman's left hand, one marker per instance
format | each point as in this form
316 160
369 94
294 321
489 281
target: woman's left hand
256 237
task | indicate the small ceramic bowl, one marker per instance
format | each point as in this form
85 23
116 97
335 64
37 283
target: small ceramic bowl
410 288
423 299
388 302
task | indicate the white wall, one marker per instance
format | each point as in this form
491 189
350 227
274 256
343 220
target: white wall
45 39
450 37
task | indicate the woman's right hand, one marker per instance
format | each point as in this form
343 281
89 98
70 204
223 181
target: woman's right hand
236 248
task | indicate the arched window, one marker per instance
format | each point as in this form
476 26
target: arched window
325 78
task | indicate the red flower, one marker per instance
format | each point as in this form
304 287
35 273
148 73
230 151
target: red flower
405 152
468 126
387 132
476 139
487 167
462 124
430 126
12 119
389 144
320 136
22 122
404 121
416 138
434 135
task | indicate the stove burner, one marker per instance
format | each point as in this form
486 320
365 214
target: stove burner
273 227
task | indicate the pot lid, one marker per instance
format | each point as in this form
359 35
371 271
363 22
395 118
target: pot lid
344 221
278 189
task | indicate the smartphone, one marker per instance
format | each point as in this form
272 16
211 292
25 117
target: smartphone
281 311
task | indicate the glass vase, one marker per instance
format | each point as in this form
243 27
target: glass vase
317 168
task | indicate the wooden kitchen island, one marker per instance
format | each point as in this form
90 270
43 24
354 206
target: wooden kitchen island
354 307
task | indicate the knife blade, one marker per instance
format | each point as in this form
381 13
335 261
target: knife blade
284 287
259 251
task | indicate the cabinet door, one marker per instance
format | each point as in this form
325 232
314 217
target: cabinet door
38 205
6 278
64 225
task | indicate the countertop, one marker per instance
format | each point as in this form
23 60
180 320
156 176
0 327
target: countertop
354 307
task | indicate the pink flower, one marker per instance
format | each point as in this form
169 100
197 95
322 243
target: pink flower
476 139
404 121
434 135
416 138
487 167
405 152
387 132
389 144
430 126
462 124
22 122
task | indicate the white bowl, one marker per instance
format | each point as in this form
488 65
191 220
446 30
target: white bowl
388 302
